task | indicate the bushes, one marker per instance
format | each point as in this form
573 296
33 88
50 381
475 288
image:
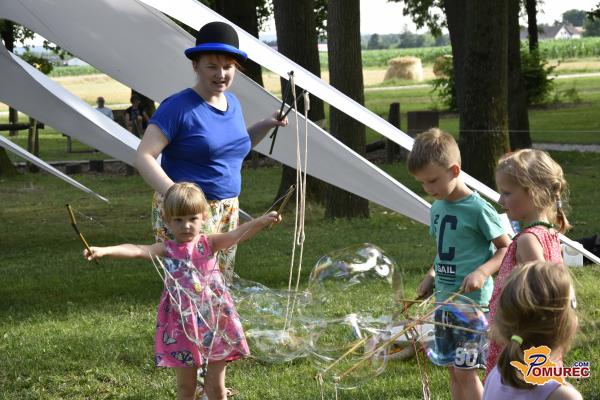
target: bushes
534 68
536 73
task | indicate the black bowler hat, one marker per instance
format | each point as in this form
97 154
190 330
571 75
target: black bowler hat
217 37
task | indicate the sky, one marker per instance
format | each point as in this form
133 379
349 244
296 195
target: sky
382 17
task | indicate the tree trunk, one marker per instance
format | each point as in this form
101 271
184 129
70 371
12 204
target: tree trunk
454 10
243 14
8 36
345 74
483 118
297 39
518 117
532 28
33 143
6 166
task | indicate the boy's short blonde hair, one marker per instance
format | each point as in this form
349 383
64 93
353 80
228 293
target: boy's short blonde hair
184 198
433 146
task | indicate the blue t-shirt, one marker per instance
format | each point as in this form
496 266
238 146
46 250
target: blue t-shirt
464 230
206 145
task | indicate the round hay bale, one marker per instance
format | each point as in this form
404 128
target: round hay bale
407 68
442 65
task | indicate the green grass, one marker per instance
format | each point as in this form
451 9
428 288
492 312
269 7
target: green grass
75 330
572 120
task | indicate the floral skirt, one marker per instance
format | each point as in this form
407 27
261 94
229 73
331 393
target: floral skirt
223 216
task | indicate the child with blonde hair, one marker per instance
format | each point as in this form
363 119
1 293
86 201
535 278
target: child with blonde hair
190 259
532 190
536 308
466 229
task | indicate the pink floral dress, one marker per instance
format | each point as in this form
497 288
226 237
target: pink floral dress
551 245
196 319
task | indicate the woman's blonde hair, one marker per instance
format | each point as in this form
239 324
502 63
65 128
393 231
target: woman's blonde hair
184 198
537 304
538 174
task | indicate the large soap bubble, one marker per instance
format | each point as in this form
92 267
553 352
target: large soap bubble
341 353
273 320
358 279
460 334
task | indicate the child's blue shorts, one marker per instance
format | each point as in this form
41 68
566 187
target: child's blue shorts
455 347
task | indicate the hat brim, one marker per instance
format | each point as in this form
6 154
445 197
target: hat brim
216 48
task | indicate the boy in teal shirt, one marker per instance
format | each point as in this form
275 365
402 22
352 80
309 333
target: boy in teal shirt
466 229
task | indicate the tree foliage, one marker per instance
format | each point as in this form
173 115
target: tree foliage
574 17
21 35
374 42
423 14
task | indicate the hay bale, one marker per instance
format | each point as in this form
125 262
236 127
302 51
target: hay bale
442 65
407 68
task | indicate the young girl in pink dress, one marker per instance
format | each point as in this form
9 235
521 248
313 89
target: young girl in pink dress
532 187
196 320
536 308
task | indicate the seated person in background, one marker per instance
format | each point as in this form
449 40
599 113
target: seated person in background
136 118
104 110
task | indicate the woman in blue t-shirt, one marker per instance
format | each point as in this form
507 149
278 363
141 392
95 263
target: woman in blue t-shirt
202 137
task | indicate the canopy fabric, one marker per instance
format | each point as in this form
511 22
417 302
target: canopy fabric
151 60
8 145
28 90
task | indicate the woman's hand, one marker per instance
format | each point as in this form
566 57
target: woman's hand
270 219
274 121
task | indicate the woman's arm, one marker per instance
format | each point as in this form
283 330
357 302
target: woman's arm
150 147
260 129
243 232
126 251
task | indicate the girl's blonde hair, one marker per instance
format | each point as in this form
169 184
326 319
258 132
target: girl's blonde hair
537 304
542 177
184 198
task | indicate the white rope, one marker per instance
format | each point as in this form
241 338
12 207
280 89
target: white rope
302 189
299 235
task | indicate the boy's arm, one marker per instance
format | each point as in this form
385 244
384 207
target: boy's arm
126 251
476 279
243 232
426 286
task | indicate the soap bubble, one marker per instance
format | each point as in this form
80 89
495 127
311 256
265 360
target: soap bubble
357 279
340 350
273 320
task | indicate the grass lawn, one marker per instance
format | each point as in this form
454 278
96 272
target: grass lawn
575 121
76 330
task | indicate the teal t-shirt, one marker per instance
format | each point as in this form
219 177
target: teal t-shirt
463 230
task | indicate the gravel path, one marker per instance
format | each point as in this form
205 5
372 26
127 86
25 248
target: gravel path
584 148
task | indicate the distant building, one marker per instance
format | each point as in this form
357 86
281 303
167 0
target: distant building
322 47
76 62
558 31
